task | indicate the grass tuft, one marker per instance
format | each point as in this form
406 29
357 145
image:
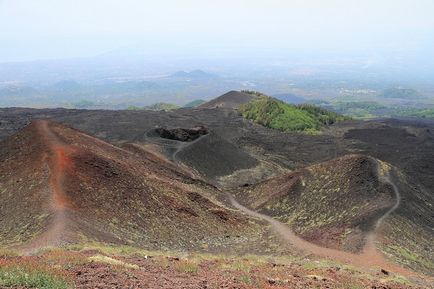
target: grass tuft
32 275
111 261
187 266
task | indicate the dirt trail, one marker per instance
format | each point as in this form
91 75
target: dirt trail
368 258
58 161
370 250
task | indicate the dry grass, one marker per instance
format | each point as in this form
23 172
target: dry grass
187 266
63 258
4 252
111 261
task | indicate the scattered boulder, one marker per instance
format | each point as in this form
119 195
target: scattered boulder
277 281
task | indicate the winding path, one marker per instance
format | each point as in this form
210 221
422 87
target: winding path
369 257
370 249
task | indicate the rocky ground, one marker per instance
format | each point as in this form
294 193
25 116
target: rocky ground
98 266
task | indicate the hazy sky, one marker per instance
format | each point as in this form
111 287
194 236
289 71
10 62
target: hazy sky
35 29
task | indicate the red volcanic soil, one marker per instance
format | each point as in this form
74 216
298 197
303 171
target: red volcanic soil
59 161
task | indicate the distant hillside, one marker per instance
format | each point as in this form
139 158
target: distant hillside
398 92
195 103
414 112
67 85
195 74
276 114
357 109
232 99
159 106
290 98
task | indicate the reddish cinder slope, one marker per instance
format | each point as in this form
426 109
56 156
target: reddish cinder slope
59 185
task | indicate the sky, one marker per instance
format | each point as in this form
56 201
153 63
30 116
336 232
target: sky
45 29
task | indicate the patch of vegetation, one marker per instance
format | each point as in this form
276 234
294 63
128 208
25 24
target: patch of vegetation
397 279
111 261
159 106
372 109
187 266
195 103
63 258
321 115
399 92
358 109
408 244
133 107
254 93
32 275
242 265
411 257
277 114
414 112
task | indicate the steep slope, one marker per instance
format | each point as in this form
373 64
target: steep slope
332 204
59 185
352 208
213 156
233 99
25 209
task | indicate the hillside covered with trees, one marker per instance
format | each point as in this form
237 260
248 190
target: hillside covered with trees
276 114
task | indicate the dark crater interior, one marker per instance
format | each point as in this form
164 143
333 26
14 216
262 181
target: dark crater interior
181 134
